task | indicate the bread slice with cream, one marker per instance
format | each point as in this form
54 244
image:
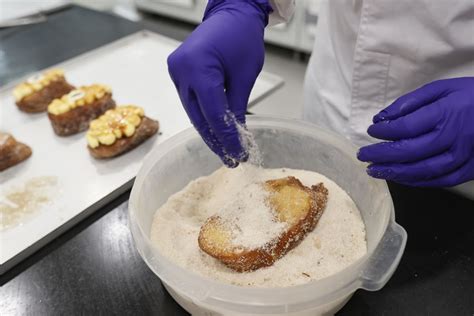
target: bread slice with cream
37 92
72 113
119 130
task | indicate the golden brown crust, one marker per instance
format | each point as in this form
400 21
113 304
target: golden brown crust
77 120
243 260
147 128
39 100
12 152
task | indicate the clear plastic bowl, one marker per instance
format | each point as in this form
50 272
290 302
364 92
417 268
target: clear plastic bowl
284 143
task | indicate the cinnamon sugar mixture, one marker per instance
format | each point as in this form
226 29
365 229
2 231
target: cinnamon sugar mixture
337 241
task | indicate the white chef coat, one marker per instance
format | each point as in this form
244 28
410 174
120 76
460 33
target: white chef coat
367 53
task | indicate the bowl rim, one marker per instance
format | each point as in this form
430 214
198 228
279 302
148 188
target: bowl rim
239 298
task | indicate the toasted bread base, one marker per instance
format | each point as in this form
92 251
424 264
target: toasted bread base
12 152
39 100
243 260
77 120
145 130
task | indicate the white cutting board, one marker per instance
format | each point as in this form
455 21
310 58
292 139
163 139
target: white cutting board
135 68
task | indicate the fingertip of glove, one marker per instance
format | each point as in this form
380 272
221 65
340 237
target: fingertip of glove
374 172
379 173
233 161
375 129
229 162
362 154
237 155
381 116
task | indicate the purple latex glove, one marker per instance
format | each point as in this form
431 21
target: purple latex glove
215 69
431 134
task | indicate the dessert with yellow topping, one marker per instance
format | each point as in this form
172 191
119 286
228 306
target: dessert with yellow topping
119 130
12 152
38 91
73 112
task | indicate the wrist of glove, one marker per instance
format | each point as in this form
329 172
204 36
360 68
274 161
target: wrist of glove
430 136
215 68
216 5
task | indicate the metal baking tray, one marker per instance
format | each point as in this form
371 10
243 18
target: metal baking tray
135 68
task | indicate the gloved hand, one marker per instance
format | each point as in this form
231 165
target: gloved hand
432 136
215 69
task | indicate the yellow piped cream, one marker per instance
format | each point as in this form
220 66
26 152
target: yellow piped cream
78 97
114 124
36 83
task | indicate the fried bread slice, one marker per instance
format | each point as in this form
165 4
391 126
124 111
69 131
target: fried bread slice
294 204
12 152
